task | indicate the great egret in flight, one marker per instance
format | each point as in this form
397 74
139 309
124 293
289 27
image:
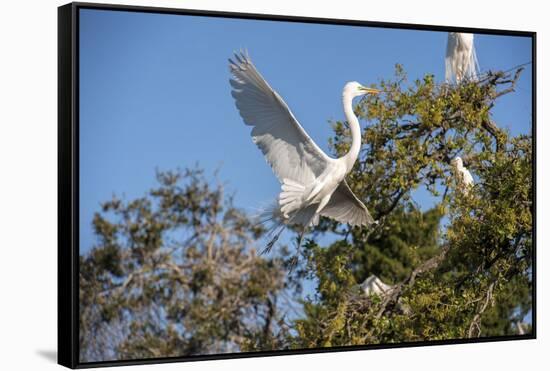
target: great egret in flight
460 59
465 178
312 183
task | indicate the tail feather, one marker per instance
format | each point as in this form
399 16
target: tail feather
305 216
272 217
291 196
289 211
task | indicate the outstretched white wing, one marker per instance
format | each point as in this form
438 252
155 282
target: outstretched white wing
286 146
345 207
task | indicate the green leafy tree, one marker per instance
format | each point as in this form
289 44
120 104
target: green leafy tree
472 280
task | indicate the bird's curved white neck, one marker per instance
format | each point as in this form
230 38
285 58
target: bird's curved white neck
355 129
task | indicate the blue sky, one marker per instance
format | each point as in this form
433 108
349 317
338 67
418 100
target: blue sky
154 93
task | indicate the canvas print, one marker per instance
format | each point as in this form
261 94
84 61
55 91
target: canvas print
252 185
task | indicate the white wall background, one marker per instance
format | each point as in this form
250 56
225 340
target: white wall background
28 181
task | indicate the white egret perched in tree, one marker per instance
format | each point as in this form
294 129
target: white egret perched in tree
460 59
374 285
465 178
312 183
520 328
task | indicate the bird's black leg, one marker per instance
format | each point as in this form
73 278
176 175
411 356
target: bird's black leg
294 261
271 243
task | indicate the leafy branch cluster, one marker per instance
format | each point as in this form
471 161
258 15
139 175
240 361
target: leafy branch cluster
474 279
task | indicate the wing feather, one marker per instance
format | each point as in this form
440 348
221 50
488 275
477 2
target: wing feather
345 207
289 150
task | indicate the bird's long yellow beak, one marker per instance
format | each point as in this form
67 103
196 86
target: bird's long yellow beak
369 90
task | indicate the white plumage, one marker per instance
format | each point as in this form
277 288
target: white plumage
460 59
465 178
374 285
312 183
520 328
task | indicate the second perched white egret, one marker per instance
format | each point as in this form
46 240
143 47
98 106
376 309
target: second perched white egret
460 59
312 183
374 285
465 178
520 328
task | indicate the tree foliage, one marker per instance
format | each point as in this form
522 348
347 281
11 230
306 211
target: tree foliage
176 273
472 280
173 273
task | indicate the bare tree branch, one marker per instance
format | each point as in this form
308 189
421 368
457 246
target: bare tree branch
512 83
475 324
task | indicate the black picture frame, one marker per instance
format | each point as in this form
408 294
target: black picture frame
68 179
